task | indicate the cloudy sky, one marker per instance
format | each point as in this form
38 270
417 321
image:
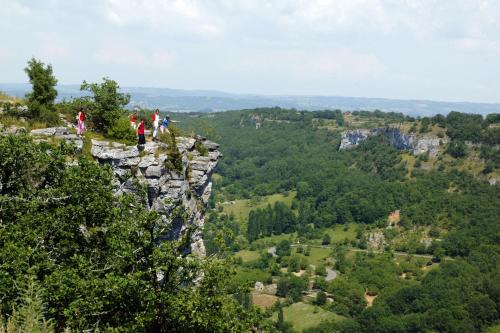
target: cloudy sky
428 49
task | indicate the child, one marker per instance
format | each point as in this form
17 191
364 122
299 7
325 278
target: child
80 118
164 124
156 123
133 120
141 140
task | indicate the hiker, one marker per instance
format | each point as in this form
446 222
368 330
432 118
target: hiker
164 125
133 120
80 122
156 123
141 139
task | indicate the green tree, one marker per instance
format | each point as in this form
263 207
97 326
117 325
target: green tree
456 149
326 239
106 105
283 248
320 298
41 99
101 259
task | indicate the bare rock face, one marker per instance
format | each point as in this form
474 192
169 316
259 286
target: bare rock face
351 139
179 196
61 133
397 138
428 144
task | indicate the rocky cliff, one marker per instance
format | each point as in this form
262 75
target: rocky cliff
400 140
168 190
177 189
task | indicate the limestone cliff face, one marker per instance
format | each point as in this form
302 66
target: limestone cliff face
179 193
351 139
397 138
146 174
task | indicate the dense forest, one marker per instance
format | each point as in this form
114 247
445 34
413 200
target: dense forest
276 151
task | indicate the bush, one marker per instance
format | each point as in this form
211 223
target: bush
326 239
201 148
456 149
122 130
320 298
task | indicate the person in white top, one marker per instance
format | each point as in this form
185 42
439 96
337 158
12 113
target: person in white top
156 124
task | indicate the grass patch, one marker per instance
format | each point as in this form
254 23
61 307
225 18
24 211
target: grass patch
248 276
338 234
302 315
274 240
493 329
247 255
264 301
317 255
241 208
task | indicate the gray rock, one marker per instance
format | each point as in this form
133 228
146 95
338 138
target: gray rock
165 190
352 138
147 161
128 161
100 143
185 143
259 286
61 131
210 145
176 183
69 137
154 171
117 145
44 131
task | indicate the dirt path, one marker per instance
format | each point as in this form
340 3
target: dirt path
353 249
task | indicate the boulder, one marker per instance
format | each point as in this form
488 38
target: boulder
259 286
154 171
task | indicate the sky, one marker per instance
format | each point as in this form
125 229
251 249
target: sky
408 49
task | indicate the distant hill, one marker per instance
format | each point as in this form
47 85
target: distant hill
209 100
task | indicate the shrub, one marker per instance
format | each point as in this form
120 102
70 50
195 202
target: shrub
320 298
456 149
122 130
201 148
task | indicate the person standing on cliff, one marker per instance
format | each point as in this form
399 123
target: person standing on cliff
156 124
133 120
164 125
80 122
141 139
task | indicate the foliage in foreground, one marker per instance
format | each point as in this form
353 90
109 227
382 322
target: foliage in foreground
98 259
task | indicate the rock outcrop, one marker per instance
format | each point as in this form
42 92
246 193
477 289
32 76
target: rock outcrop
397 138
60 133
352 138
179 195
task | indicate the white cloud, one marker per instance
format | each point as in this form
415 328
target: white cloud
174 17
361 46
338 63
127 55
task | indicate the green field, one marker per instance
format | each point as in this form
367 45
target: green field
303 315
241 208
338 234
247 255
248 276
493 329
317 255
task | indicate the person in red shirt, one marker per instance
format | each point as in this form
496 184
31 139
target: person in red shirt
133 120
140 134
